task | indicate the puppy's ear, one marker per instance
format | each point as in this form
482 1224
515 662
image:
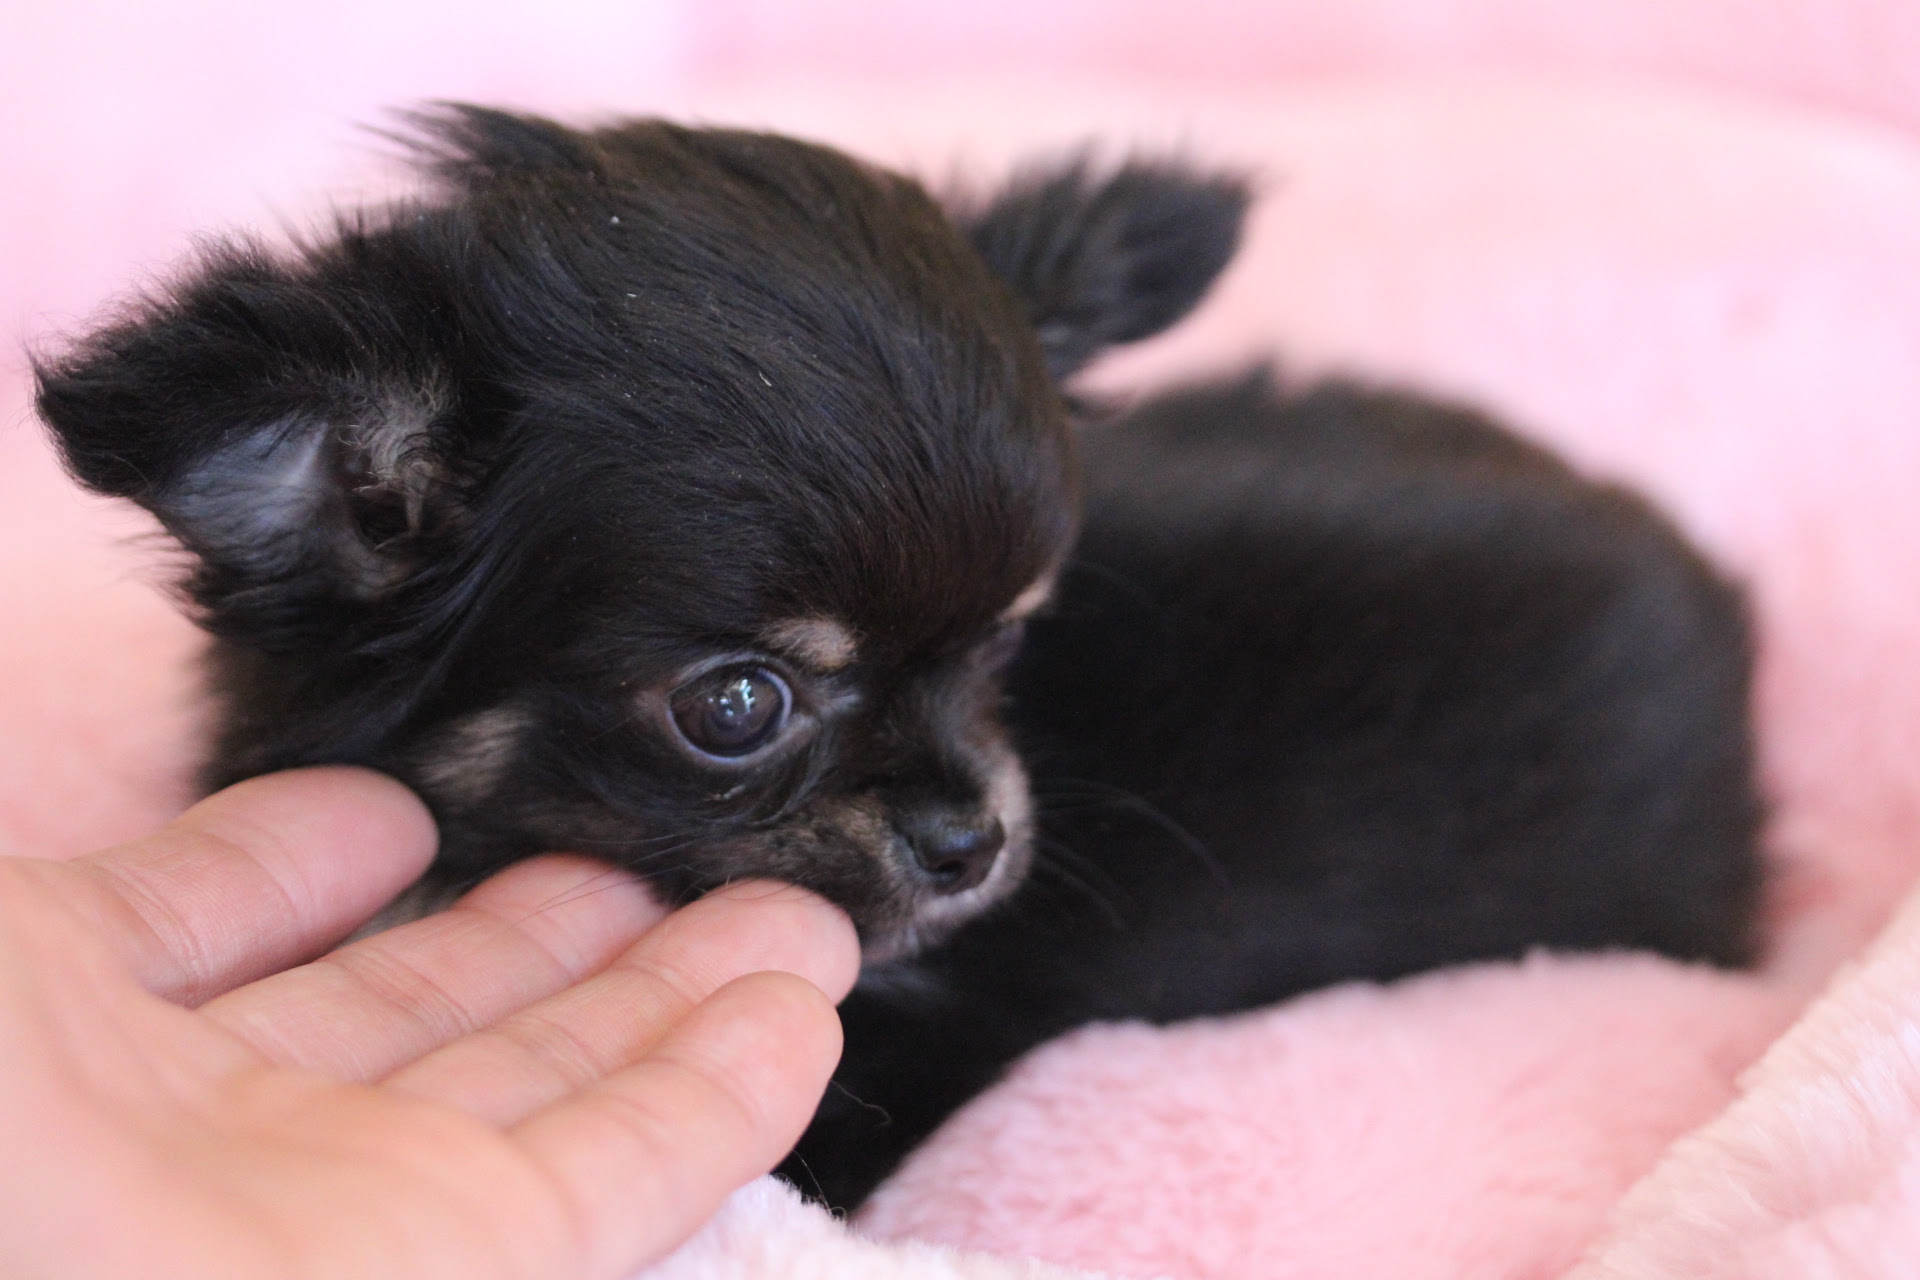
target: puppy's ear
1108 258
281 426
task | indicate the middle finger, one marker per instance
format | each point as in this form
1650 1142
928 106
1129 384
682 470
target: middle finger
550 1049
366 1009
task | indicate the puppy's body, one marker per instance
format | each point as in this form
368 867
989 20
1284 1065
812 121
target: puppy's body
1347 684
679 496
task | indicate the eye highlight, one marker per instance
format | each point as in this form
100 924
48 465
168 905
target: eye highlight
731 713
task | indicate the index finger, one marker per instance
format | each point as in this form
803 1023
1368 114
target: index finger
255 878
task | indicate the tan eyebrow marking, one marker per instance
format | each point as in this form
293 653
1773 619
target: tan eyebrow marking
1032 598
819 643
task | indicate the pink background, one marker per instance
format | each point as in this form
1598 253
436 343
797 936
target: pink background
128 126
1680 241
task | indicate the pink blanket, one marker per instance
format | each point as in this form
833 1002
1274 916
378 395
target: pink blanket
1716 296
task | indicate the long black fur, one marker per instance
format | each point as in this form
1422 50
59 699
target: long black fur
503 490
1343 683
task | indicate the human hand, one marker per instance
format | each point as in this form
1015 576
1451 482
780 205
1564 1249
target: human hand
514 1088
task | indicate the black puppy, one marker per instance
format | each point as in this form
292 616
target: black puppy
671 495
679 496
1343 684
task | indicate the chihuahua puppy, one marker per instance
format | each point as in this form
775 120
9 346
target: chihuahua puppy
1339 683
681 496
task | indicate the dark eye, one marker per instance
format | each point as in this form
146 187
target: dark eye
732 712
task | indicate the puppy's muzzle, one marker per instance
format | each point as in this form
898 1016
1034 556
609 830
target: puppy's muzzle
952 852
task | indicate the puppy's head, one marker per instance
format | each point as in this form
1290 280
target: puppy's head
671 495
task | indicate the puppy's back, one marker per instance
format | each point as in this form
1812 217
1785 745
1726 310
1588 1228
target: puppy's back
1339 684
1401 688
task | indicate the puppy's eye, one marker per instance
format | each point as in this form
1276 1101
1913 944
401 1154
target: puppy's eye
732 712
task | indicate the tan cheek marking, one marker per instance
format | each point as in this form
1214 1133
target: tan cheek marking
1032 598
472 758
819 643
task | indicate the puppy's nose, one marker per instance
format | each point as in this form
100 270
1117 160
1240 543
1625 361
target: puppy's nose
956 854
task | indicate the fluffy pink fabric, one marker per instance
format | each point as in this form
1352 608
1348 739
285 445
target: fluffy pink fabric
1464 1124
1815 1171
1717 298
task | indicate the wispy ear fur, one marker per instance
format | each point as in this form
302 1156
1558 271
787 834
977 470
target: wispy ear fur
282 428
1107 257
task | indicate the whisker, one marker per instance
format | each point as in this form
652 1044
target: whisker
1095 792
1112 577
1058 861
610 878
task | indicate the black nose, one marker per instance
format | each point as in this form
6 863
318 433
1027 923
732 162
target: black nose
955 853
